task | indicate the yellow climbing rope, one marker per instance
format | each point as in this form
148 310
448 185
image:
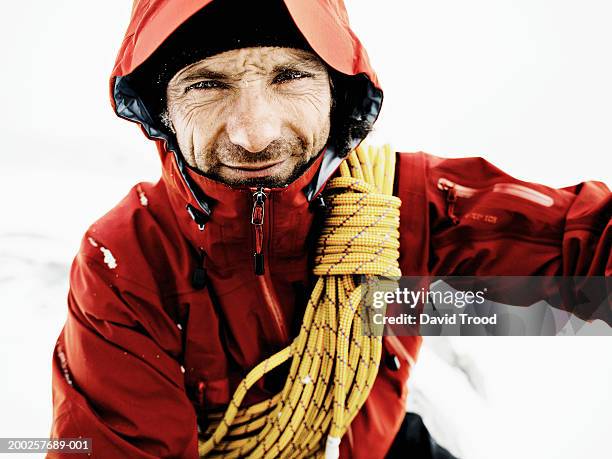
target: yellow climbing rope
333 363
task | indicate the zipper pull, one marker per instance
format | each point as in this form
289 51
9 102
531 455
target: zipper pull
451 198
257 220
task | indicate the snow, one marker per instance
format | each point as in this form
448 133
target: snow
109 259
540 97
545 397
49 196
144 201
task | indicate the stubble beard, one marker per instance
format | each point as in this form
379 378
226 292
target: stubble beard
293 151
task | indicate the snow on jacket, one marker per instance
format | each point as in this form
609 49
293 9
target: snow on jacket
166 313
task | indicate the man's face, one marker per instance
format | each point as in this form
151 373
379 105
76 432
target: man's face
251 116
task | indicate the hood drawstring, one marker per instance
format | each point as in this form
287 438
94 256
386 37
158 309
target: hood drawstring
199 217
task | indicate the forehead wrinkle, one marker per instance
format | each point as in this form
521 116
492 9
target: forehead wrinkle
265 60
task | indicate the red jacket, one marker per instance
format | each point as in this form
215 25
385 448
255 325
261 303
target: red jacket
146 350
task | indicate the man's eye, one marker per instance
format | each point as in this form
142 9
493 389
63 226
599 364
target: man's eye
290 75
206 84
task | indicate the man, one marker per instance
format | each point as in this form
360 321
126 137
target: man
191 282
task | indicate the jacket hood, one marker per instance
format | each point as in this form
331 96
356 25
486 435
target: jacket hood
325 26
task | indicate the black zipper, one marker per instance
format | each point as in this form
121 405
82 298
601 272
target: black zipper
265 283
257 220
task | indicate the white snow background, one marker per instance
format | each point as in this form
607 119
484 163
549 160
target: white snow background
525 84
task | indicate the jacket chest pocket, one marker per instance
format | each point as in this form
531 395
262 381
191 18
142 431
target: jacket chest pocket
487 211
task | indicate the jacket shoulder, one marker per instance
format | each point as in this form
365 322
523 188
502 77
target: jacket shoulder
135 246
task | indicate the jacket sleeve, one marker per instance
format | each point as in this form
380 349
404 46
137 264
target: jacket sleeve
465 217
115 376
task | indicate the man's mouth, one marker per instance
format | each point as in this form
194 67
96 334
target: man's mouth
256 170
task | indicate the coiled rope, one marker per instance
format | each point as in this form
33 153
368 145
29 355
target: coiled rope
334 364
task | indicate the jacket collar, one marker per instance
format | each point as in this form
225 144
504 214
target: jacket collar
206 208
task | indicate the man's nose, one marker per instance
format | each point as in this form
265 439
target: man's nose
253 122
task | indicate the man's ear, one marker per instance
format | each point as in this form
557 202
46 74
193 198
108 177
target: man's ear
166 121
